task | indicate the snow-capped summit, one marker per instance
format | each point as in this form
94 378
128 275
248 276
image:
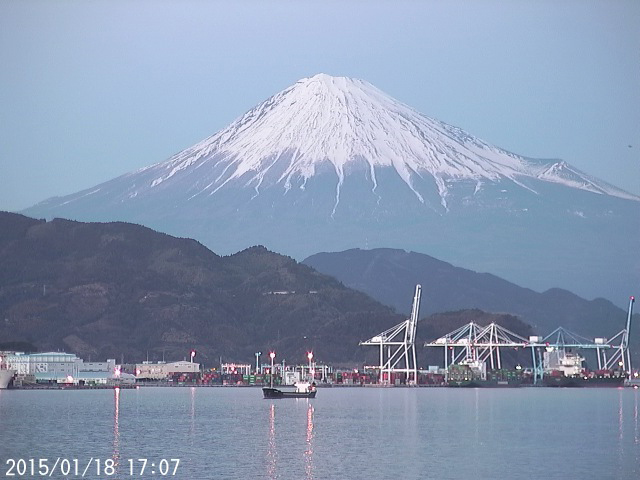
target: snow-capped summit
340 121
332 163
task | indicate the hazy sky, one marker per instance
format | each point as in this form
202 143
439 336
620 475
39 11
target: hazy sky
90 90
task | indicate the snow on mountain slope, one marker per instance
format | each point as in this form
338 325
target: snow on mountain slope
333 163
340 121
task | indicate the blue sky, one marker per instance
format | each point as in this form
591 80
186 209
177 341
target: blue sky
92 90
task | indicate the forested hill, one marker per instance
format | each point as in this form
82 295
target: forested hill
118 290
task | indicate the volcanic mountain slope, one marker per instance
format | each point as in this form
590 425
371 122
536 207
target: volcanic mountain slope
119 290
332 163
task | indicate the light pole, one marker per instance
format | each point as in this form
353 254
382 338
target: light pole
272 355
310 357
258 361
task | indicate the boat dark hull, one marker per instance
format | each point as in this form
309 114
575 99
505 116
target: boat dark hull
484 383
276 393
551 381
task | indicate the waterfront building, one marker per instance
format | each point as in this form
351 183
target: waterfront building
61 367
47 367
162 370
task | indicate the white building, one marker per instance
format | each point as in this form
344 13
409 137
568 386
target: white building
103 373
108 366
45 367
161 370
60 367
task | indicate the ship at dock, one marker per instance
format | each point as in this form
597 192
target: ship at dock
564 368
6 374
474 374
563 364
477 355
473 357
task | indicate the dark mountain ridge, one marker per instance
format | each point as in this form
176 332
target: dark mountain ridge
118 290
385 274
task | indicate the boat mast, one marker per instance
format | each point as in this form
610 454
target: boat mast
272 355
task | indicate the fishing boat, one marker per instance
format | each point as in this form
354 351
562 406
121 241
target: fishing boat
303 390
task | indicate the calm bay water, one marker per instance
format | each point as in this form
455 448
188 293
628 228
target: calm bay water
345 433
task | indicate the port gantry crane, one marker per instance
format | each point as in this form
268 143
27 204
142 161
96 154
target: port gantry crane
621 355
560 339
398 347
555 347
474 345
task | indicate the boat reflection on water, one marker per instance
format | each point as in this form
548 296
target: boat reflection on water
308 454
272 454
116 427
273 469
192 416
636 429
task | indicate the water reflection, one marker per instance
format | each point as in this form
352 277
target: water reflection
116 427
272 454
308 454
620 427
477 412
620 417
192 415
286 453
636 427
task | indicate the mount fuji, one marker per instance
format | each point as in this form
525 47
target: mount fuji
333 163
